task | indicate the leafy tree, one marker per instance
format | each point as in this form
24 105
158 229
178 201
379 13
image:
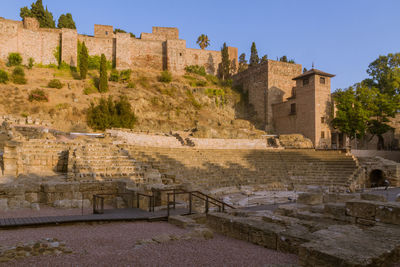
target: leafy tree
264 59
242 62
103 85
254 59
203 41
225 63
111 114
378 97
233 67
37 11
83 61
66 21
304 70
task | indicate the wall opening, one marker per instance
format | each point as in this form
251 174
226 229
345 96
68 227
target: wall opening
377 178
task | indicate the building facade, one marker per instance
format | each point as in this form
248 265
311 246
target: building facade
288 101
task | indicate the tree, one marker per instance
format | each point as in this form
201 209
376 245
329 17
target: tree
203 41
83 61
353 111
66 21
103 85
304 70
264 59
225 63
37 11
376 100
283 59
254 59
242 62
233 67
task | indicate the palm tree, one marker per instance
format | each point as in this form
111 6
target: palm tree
203 41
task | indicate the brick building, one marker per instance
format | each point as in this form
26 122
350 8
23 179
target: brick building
288 101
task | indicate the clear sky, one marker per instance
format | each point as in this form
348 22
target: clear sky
340 36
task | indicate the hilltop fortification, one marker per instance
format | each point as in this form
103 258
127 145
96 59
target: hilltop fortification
160 50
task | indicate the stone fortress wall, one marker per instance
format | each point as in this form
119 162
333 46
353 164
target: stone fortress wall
160 50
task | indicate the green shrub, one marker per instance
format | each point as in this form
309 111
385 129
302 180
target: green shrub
18 76
64 66
3 76
131 85
166 77
111 114
200 70
212 79
14 59
94 63
90 88
38 95
114 76
31 62
125 75
55 83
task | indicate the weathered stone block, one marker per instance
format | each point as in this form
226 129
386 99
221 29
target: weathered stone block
361 209
181 221
339 198
32 197
373 197
388 213
310 198
335 209
290 240
3 205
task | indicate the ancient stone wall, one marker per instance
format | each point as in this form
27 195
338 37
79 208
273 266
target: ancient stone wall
267 84
98 46
209 59
158 50
147 54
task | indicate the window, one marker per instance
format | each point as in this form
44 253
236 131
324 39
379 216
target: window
322 119
305 81
106 32
293 92
292 109
322 80
180 54
322 134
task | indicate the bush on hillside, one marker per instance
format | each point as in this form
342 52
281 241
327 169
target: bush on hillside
131 85
200 70
14 59
111 114
18 76
125 75
114 76
55 83
31 61
166 77
94 63
38 95
3 76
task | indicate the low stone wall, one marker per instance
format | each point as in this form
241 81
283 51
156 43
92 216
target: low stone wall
208 143
139 139
390 155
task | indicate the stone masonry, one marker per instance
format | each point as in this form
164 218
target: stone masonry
160 50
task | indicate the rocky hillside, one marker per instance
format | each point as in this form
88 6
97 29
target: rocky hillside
188 103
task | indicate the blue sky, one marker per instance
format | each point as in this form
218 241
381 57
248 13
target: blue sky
341 37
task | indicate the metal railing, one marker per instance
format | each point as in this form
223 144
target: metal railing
197 194
98 201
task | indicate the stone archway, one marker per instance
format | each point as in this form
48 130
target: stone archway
376 178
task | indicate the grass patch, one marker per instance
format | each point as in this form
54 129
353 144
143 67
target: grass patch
143 82
55 83
192 100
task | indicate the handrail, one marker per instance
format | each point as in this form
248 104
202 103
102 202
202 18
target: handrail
97 210
220 204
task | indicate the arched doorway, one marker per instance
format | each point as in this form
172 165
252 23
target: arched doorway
376 178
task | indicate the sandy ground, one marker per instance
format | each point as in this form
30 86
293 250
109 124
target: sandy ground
114 244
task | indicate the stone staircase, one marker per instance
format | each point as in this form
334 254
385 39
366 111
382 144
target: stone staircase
100 161
215 168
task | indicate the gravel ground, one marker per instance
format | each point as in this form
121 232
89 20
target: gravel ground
113 244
